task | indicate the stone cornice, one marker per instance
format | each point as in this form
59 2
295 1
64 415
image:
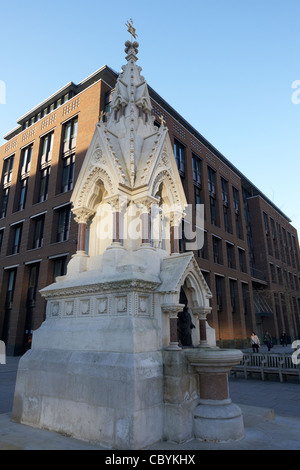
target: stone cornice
118 285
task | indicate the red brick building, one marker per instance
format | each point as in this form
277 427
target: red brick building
250 257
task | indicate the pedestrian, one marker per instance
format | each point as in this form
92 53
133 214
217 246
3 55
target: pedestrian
283 339
268 340
255 342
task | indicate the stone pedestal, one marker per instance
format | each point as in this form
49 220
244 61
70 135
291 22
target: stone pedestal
113 399
216 418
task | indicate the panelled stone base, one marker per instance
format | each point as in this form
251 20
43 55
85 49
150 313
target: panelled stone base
112 399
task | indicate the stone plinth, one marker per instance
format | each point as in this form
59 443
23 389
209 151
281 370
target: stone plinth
105 398
216 418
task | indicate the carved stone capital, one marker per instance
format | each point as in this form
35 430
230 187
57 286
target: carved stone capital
117 202
172 309
82 214
145 203
176 217
202 312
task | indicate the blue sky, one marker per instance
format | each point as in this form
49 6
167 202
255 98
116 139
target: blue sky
227 66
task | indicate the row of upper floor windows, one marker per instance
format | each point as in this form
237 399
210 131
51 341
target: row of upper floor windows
48 109
60 230
284 278
281 243
212 181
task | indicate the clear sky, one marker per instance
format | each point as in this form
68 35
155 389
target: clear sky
227 66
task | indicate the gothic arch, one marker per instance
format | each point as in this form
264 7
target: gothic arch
195 291
97 185
165 177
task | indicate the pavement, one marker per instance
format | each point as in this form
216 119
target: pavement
271 413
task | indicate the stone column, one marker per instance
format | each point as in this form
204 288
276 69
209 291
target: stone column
82 215
116 227
144 205
172 310
81 237
117 203
202 313
145 221
175 221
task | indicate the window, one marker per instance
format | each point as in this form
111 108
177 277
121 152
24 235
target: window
237 226
245 295
213 210
7 170
26 160
273 275
16 238
285 245
46 149
45 162
273 228
242 260
1 237
68 155
44 184
196 169
10 287
224 185
63 226
68 173
219 292
4 202
235 200
233 294
179 152
197 194
12 273
230 255
33 281
107 107
23 193
217 249
33 273
203 253
70 135
279 275
226 218
60 267
211 181
38 231
266 223
236 207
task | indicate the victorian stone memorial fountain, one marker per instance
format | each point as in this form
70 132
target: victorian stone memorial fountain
114 363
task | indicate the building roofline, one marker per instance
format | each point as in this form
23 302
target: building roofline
69 86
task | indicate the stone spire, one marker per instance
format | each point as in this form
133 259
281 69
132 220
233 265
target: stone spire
130 118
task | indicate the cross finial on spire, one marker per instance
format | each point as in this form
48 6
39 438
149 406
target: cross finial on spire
101 116
162 120
131 29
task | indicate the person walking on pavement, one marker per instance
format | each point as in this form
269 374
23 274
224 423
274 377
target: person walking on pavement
283 339
255 343
268 340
